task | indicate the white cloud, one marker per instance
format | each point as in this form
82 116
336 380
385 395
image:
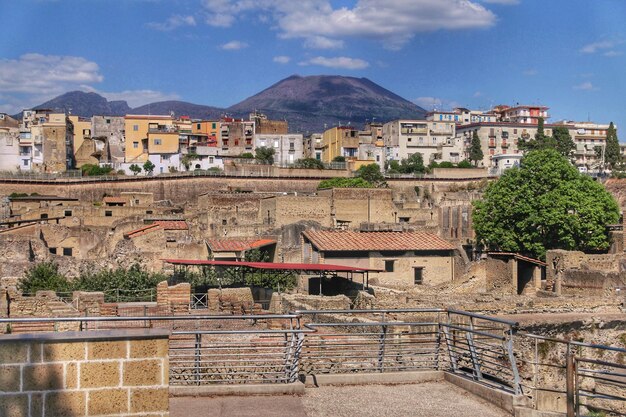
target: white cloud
46 74
281 59
505 2
530 72
600 46
432 103
342 62
611 54
172 23
311 20
586 86
322 42
234 46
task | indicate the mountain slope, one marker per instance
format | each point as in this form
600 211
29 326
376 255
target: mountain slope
85 104
310 103
180 108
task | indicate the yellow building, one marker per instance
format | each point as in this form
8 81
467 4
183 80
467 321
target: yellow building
210 128
136 129
340 141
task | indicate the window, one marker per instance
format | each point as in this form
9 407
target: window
157 142
67 251
108 213
224 222
213 126
418 275
389 266
199 126
135 145
43 216
25 162
68 213
136 128
211 159
108 121
53 251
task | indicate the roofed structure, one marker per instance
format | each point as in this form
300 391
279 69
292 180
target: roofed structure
376 241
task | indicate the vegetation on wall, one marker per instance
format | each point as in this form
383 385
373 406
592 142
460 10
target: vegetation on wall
339 182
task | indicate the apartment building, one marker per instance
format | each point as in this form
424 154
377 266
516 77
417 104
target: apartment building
462 116
340 141
263 125
111 128
46 141
9 143
521 114
236 136
288 148
435 140
136 130
590 141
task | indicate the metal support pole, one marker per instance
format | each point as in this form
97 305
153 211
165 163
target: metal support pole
470 343
570 383
517 387
197 362
381 348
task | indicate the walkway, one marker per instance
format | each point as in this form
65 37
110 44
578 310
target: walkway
429 399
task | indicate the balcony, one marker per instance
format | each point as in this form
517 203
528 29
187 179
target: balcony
504 145
492 143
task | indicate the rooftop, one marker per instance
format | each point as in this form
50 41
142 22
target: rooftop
237 245
378 241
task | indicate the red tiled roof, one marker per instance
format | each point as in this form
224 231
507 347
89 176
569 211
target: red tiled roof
237 245
272 265
378 241
141 231
116 200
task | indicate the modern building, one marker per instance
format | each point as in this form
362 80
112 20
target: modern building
521 114
502 162
9 143
433 139
288 148
590 141
340 141
136 129
46 141
111 128
236 136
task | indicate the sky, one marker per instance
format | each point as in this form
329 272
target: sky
569 55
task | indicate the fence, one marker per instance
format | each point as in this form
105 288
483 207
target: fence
240 349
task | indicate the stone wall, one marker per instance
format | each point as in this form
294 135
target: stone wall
174 299
103 373
232 300
573 272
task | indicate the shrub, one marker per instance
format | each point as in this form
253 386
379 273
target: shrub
91 170
339 182
44 276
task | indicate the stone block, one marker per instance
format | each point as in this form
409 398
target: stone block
36 405
107 401
71 375
13 352
149 399
14 405
66 403
43 377
57 352
146 372
99 374
107 350
10 378
155 348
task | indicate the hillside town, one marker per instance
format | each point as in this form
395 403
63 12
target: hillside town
45 141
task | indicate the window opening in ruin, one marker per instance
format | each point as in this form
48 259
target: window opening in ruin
389 265
224 222
44 216
67 251
108 213
68 213
53 250
418 275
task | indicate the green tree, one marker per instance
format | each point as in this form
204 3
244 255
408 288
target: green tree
44 276
135 169
464 164
563 141
544 204
265 155
476 151
188 158
133 282
309 163
92 170
247 155
371 173
148 166
612 154
414 164
339 158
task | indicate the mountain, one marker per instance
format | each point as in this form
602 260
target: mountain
180 108
313 102
86 104
309 104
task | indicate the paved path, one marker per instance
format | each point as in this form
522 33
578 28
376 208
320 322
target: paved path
430 399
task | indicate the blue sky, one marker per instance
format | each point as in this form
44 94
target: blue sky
567 54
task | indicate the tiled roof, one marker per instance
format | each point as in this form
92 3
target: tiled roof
378 241
237 245
158 225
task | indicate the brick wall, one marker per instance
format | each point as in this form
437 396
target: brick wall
174 299
105 373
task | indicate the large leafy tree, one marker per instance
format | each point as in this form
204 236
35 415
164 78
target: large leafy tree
264 155
612 153
563 141
476 150
371 173
544 204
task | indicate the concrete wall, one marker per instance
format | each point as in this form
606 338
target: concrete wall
112 373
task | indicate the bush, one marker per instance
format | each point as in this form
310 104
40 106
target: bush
309 163
339 182
91 170
246 155
339 159
464 164
44 276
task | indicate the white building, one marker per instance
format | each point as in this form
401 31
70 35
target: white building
502 162
287 148
433 139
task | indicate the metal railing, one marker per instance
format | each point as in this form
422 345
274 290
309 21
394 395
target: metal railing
272 348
